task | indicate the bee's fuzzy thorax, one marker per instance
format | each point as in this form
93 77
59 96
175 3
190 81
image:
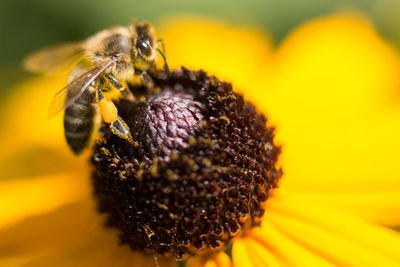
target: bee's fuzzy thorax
204 167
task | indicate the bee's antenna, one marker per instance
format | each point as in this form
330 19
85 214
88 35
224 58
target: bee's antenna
162 45
162 53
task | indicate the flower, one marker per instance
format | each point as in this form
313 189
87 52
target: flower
331 89
203 166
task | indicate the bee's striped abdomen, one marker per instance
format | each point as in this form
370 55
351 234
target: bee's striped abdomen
79 121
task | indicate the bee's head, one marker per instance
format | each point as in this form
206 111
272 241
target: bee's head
143 41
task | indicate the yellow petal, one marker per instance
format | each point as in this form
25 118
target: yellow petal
293 253
17 261
336 236
247 252
55 229
94 252
73 235
33 145
233 54
26 197
380 205
333 93
25 114
32 160
215 260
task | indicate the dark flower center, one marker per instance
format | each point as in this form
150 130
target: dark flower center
204 167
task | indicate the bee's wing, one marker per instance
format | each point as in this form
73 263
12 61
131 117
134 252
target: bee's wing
54 58
70 93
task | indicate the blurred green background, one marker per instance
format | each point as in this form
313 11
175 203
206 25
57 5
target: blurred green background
26 25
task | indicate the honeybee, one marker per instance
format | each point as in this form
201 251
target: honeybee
101 62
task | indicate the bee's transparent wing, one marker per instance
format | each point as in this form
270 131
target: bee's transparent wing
70 93
54 58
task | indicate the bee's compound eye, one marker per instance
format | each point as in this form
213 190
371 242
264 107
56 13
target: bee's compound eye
145 48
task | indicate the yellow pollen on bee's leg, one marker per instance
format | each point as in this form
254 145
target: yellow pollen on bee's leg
108 110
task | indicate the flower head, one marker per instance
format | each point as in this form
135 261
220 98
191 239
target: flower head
202 170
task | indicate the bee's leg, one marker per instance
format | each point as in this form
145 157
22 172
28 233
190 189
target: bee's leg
121 129
109 113
102 84
162 53
118 85
145 77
